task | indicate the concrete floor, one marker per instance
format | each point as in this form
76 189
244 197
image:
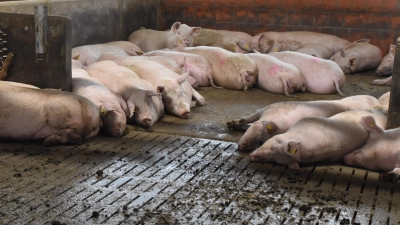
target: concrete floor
222 105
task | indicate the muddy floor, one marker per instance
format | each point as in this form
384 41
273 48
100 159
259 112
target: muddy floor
189 172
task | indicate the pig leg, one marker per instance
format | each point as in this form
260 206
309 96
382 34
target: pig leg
244 76
196 96
62 137
242 124
395 174
386 81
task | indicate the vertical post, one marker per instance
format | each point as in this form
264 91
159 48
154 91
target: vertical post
41 32
394 101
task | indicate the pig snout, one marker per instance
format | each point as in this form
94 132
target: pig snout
147 122
185 115
117 132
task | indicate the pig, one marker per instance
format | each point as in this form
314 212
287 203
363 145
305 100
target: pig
317 139
200 69
322 76
143 99
272 41
19 84
277 118
385 68
381 151
358 56
171 64
276 76
90 53
384 99
223 39
316 50
56 117
176 95
233 71
150 40
112 106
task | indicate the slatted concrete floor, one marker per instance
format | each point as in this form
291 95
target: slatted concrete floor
152 178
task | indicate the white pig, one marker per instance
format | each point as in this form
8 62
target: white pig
233 71
90 53
381 152
54 116
144 103
322 76
272 41
200 69
223 39
150 40
316 139
357 57
386 68
277 118
176 97
276 76
113 107
315 49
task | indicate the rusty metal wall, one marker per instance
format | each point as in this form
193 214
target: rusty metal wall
96 21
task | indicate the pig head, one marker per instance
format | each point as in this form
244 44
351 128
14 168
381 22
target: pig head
385 68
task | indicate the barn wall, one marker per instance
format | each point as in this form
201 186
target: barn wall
378 20
96 21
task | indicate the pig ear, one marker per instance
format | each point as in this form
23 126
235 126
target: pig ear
342 53
131 108
106 108
352 62
182 78
160 89
175 27
236 48
363 40
392 50
255 42
76 57
269 127
196 31
368 122
181 63
138 52
294 147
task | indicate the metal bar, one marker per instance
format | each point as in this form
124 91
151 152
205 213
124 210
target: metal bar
41 31
394 101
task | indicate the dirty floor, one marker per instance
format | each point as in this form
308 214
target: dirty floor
189 172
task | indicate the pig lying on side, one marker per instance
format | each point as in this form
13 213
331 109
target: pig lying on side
150 40
315 49
56 117
112 106
357 57
200 69
385 68
381 152
223 39
322 76
272 41
277 118
144 103
90 53
276 76
233 71
316 139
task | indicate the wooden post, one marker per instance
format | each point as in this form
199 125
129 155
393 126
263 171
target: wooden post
394 101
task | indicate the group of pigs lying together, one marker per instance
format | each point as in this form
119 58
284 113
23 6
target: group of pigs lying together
156 71
303 132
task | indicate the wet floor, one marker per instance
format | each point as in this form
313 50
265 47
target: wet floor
189 172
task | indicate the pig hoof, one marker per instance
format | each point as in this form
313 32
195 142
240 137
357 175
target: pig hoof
185 115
